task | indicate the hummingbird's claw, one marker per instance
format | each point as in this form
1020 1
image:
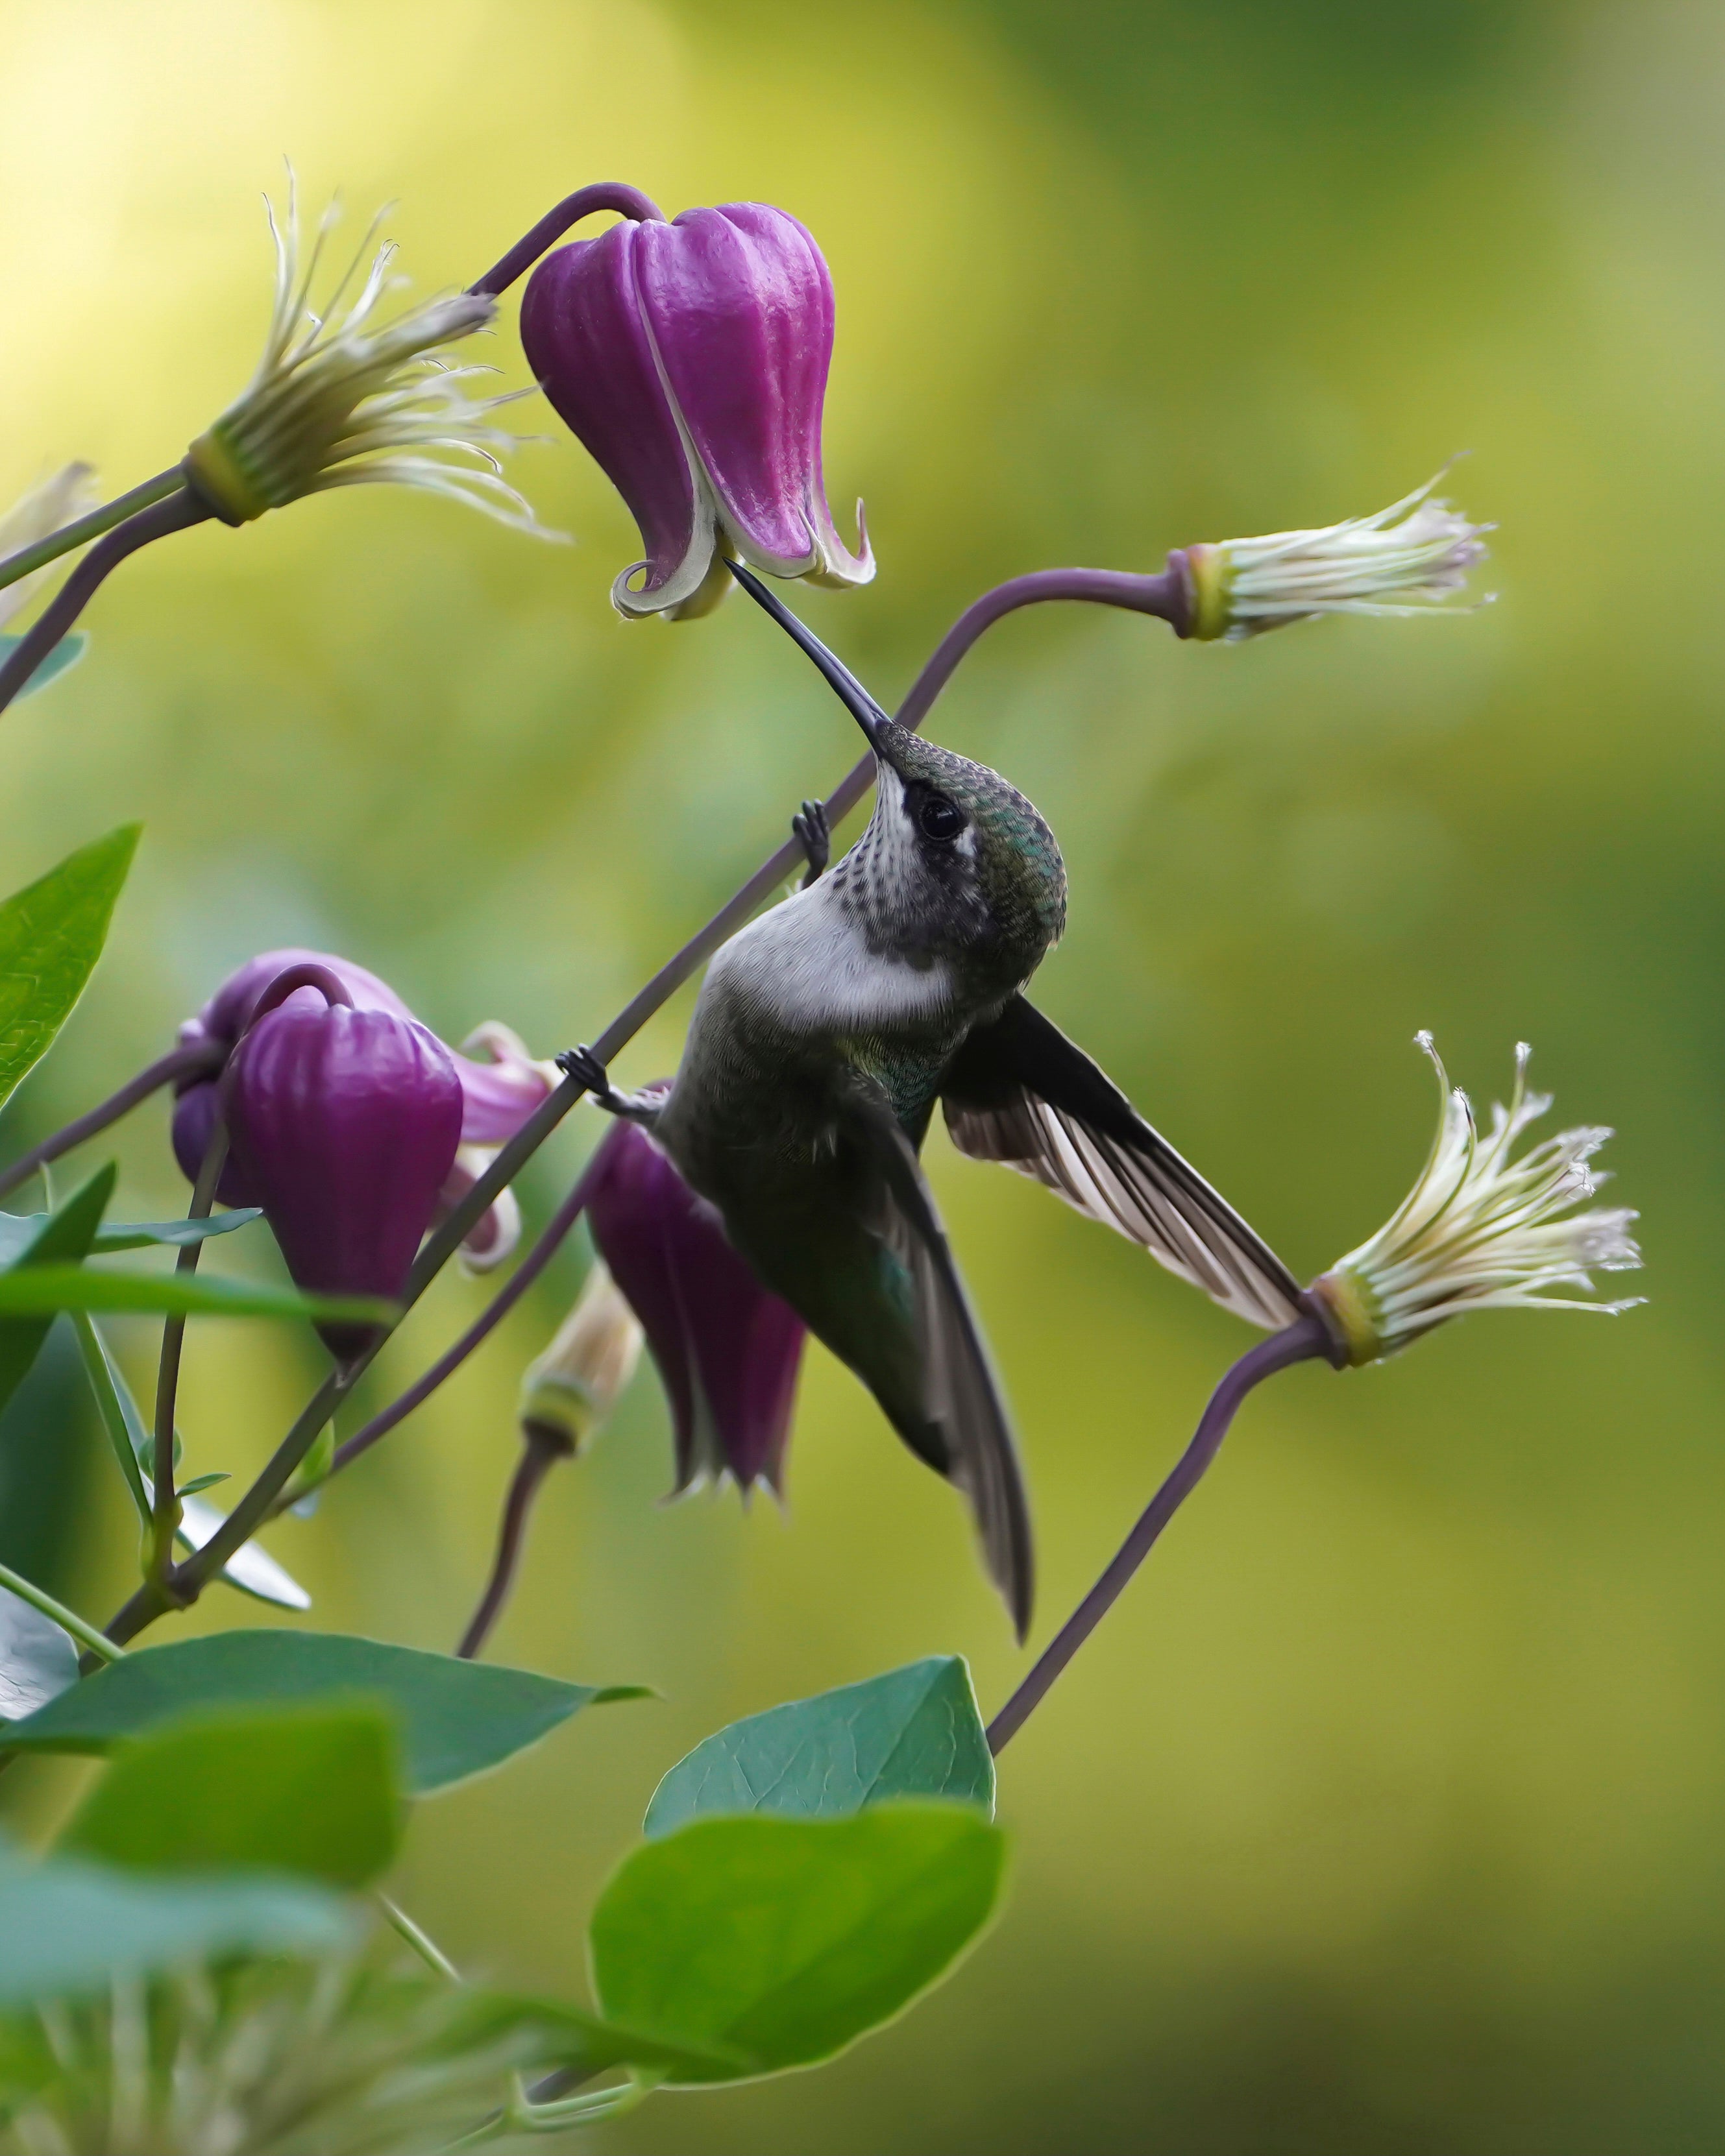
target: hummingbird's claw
585 1067
814 834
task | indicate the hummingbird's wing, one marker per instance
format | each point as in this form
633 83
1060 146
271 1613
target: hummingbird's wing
1020 1092
963 1418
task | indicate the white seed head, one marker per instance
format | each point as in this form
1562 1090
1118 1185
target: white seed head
575 1384
42 510
1409 558
1480 1230
340 399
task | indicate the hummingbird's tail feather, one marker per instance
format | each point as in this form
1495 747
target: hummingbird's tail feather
960 1424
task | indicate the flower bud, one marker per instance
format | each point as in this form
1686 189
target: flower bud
1409 558
570 1389
339 399
345 1122
691 358
1479 1230
726 1349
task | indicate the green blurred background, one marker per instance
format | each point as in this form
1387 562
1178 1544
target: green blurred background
1384 1814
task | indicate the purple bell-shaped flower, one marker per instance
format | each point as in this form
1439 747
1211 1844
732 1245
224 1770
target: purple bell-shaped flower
498 1094
727 1350
691 358
344 1122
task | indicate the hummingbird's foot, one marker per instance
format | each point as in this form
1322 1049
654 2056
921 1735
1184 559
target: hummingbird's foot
814 835
585 1067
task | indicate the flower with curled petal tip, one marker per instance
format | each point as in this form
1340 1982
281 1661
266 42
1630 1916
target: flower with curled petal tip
1480 1230
727 1350
691 357
342 399
1409 558
345 1123
497 1096
567 1392
58 501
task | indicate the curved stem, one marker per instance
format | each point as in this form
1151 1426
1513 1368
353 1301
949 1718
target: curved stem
196 1062
603 194
165 1509
1306 1338
541 1449
551 1239
28 559
68 1620
177 513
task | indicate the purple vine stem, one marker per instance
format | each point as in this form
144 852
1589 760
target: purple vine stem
188 1063
177 513
541 1448
1308 1337
603 194
1167 596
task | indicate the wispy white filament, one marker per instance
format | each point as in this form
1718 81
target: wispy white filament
58 501
1482 1230
339 399
1409 558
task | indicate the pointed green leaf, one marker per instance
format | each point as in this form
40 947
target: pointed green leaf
67 1926
913 1733
309 1789
37 1659
65 654
29 1287
564 2037
51 935
18 1230
788 1940
203 1482
64 1233
456 1718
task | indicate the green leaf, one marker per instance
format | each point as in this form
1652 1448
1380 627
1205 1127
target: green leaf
51 935
584 2044
37 1659
787 1939
67 1926
65 1233
203 1482
65 654
313 1790
913 1733
19 1229
456 1718
34 1288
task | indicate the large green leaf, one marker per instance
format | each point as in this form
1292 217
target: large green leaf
584 2044
913 1733
38 1659
61 1240
787 1939
29 1287
69 1925
18 1230
310 1789
456 1718
51 935
66 653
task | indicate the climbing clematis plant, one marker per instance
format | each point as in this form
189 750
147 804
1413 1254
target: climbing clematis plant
691 358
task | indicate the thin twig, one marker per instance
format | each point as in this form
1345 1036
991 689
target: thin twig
1307 1337
178 512
28 559
68 1620
203 1059
165 1510
541 1448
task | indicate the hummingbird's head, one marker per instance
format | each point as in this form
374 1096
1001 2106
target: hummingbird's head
955 861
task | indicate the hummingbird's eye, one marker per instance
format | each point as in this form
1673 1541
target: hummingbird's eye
938 817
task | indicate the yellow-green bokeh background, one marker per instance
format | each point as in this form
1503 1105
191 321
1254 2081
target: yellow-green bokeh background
1384 1816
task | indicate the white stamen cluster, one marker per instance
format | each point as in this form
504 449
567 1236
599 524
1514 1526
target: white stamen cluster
341 400
1409 558
1480 1230
43 511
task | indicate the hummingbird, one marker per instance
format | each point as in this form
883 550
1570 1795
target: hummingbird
824 1034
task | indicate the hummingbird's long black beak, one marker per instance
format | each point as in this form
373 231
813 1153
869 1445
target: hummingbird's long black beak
844 684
